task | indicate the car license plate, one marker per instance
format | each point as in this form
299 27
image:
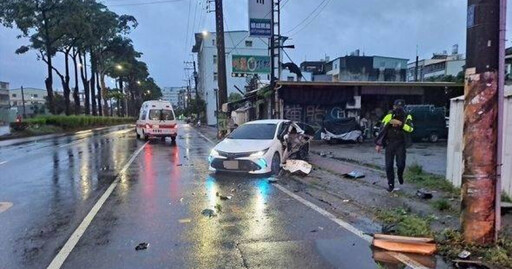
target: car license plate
156 126
231 165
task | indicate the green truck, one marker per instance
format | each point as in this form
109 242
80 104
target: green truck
429 122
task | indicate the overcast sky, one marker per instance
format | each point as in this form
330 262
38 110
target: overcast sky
377 27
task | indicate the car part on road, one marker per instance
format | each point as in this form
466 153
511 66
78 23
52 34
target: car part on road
417 245
142 246
297 167
424 194
354 174
4 206
464 254
208 213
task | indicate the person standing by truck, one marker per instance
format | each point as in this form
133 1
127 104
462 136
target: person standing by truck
396 127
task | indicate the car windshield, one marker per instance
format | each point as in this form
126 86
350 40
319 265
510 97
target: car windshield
254 131
161 114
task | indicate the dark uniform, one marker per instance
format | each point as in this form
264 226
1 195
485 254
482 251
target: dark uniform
395 140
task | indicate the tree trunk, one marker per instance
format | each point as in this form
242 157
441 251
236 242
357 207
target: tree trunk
100 110
93 83
123 108
85 82
49 79
76 96
104 93
65 85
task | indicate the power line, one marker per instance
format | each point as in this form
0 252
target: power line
188 24
319 12
308 16
146 3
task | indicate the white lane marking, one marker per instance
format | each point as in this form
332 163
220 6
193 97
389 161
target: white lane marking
77 234
3 162
401 257
203 136
330 216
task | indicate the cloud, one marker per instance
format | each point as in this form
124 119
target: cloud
377 27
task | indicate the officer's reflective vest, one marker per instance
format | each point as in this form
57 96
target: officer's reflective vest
408 127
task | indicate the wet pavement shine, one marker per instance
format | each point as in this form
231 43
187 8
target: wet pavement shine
53 183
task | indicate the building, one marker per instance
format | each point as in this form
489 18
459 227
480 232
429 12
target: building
317 102
35 100
4 94
366 68
440 65
245 56
172 94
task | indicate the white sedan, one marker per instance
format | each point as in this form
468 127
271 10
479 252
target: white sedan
257 147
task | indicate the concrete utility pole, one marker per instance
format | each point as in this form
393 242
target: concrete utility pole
480 122
221 55
23 102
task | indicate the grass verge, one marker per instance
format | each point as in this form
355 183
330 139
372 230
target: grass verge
451 243
405 223
416 175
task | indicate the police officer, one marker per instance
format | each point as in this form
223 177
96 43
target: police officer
397 124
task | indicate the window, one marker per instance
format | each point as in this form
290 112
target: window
161 114
290 78
15 103
214 59
35 95
254 131
215 76
143 115
248 43
13 95
213 42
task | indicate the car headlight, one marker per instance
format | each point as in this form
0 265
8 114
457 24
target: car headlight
259 153
214 153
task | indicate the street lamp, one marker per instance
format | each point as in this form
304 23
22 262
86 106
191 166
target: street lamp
138 82
119 67
204 33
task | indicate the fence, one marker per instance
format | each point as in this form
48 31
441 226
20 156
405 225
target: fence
455 165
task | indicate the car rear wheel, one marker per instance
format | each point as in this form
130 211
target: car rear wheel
138 135
146 137
433 137
276 164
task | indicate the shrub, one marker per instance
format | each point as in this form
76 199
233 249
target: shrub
441 205
71 122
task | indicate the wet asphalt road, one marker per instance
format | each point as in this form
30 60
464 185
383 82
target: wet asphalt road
53 182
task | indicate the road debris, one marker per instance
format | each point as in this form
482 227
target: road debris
142 246
184 220
324 201
417 245
354 174
272 180
181 200
208 213
424 194
464 254
466 264
224 197
4 206
218 207
297 167
346 201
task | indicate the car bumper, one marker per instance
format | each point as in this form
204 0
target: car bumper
248 165
161 132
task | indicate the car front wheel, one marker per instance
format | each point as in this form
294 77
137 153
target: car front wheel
276 164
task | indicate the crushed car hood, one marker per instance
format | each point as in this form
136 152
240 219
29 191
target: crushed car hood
243 145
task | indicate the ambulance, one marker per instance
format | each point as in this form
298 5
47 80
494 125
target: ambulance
157 120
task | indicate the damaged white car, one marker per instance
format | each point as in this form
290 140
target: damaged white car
260 147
